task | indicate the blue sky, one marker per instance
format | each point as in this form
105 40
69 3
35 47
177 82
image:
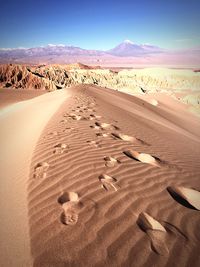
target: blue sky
101 24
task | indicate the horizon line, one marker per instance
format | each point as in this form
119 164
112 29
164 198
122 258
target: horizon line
70 45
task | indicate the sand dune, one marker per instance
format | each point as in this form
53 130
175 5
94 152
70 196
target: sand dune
11 96
96 206
21 125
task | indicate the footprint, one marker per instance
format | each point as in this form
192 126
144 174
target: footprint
41 169
95 127
59 148
108 182
187 197
68 129
71 206
98 116
102 134
94 143
128 138
54 133
106 125
155 231
111 162
92 104
76 117
103 125
70 115
66 115
153 102
63 121
91 117
68 196
142 157
124 137
91 110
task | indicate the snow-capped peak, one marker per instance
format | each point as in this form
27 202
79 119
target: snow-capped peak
12 49
128 42
54 45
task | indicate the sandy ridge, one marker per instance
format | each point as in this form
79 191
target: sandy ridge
21 126
113 187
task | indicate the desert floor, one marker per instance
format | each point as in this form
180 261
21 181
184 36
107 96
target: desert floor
87 140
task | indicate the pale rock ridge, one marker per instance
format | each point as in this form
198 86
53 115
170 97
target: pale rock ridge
145 81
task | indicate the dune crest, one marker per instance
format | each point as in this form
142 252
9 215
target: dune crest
21 126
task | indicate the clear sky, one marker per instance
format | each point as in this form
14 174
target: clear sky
99 24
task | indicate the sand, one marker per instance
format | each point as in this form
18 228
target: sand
21 125
122 213
11 96
113 180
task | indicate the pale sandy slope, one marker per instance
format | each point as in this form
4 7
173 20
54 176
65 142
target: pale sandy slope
11 96
21 125
107 232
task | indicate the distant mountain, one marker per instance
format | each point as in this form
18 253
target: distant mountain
49 50
129 49
125 54
125 49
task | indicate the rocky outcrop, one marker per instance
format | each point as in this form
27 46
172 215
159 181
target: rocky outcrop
19 76
183 85
52 77
42 77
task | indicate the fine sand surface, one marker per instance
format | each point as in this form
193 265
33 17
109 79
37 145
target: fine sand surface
11 96
114 181
21 125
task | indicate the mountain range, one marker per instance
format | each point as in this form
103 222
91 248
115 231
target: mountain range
126 51
130 49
